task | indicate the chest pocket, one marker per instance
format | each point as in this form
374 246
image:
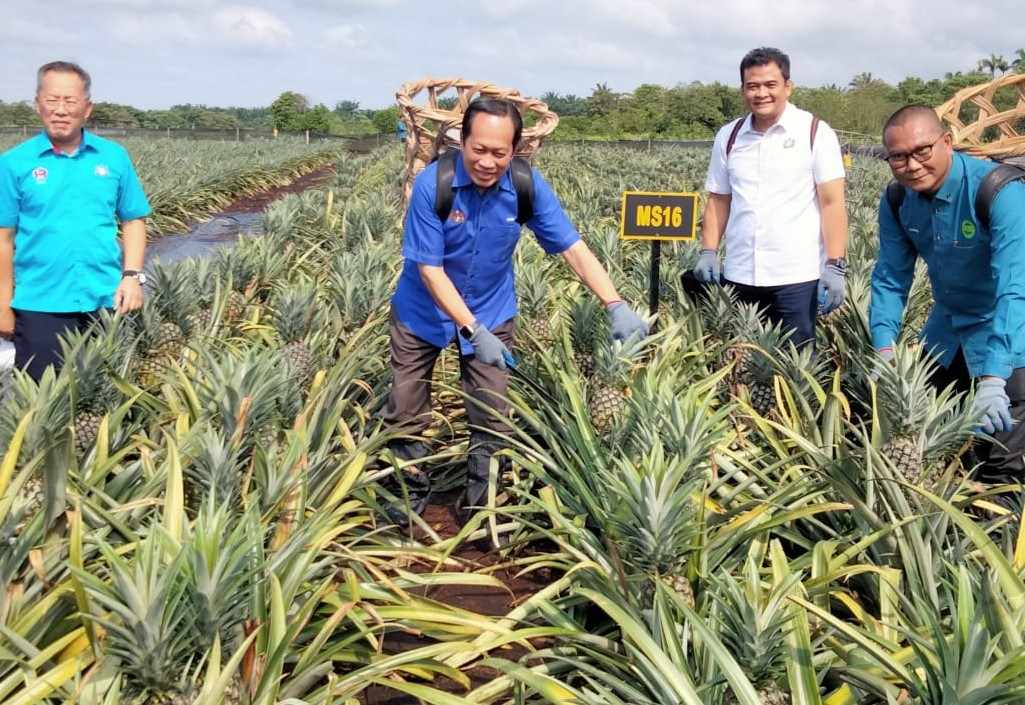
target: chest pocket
97 187
499 242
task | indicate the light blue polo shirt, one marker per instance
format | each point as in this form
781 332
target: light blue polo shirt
475 247
66 209
977 273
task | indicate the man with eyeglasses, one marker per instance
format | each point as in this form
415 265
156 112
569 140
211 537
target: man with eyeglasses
63 195
977 272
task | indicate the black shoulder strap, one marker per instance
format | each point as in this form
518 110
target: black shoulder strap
733 134
445 196
895 197
523 182
814 130
990 187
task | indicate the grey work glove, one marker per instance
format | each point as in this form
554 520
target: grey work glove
488 348
885 358
707 267
623 322
992 405
832 286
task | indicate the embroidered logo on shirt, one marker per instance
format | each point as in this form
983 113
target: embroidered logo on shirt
788 143
101 170
39 174
457 217
968 229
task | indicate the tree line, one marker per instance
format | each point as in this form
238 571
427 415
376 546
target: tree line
684 111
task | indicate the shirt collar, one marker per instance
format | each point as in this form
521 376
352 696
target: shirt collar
786 120
462 177
44 145
953 180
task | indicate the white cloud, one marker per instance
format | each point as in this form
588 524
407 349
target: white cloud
252 27
349 36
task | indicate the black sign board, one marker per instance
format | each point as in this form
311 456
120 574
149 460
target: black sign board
659 216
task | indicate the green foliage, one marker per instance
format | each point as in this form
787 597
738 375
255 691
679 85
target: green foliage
384 120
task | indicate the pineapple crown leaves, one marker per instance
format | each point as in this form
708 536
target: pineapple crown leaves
754 622
294 312
215 465
150 628
653 501
45 399
91 358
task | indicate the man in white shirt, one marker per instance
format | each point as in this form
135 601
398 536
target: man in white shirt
776 193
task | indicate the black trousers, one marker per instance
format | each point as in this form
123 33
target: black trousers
998 464
36 334
792 306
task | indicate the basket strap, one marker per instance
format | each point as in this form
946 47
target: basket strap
523 182
990 187
444 197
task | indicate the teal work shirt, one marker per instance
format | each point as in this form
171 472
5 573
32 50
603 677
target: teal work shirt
65 211
977 274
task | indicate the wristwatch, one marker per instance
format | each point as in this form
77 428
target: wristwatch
840 262
141 276
467 331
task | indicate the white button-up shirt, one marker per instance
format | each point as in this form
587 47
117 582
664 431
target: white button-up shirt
774 233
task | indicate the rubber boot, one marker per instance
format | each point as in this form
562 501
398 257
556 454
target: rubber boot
478 470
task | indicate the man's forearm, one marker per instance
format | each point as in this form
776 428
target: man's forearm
6 266
834 218
591 272
713 220
445 294
133 243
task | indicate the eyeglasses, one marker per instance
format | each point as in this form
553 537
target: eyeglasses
922 154
54 103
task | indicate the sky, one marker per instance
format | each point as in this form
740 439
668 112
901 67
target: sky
157 53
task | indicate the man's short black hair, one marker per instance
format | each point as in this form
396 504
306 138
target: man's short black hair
763 56
909 112
493 106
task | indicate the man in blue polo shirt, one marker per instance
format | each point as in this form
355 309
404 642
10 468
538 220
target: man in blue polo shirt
977 275
62 195
458 283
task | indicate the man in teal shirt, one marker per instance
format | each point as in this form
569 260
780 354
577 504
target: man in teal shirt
63 194
977 275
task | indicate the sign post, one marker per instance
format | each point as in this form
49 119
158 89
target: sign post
646 215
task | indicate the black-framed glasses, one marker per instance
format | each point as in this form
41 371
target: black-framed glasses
899 160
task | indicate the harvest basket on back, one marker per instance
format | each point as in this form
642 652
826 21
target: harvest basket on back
992 132
430 127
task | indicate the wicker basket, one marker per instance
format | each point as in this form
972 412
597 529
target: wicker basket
429 127
970 138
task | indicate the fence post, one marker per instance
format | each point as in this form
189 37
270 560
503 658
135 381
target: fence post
236 134
307 136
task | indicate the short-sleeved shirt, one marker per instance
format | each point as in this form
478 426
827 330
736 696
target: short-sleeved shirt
65 210
475 246
977 273
774 232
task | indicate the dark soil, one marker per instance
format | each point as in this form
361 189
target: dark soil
259 201
494 602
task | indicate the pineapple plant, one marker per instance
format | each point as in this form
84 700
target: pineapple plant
293 318
158 344
753 624
923 427
90 358
536 323
586 329
615 363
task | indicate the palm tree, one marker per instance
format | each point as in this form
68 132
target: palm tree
1018 65
862 80
994 63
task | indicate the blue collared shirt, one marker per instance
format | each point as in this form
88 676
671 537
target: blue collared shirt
475 247
65 210
977 274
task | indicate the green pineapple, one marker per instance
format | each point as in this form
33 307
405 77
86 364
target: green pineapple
160 342
608 396
293 319
747 323
537 319
753 624
585 332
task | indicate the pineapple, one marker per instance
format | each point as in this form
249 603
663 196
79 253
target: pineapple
753 624
159 343
923 428
537 321
293 321
90 359
681 584
615 363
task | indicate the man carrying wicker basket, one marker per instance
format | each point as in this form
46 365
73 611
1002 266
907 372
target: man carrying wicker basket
936 209
458 283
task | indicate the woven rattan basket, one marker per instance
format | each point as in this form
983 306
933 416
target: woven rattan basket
429 127
976 137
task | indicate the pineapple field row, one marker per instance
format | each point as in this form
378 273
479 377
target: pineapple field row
190 509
